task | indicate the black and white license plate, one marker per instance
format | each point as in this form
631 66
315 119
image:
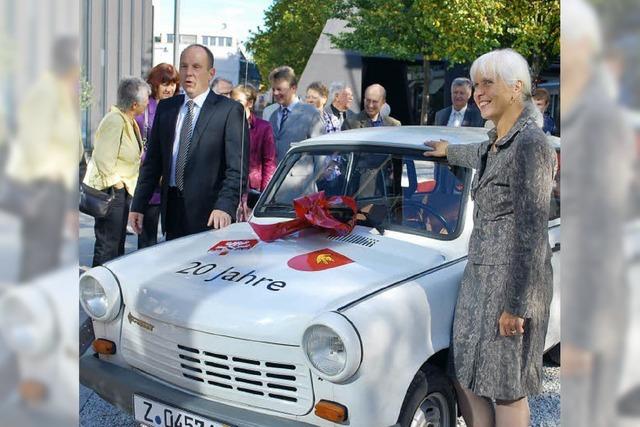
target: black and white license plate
156 414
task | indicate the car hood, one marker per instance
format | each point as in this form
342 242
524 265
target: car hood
227 282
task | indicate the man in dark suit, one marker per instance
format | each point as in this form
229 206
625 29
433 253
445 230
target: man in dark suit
460 113
199 147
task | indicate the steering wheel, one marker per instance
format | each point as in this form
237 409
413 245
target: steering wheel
412 203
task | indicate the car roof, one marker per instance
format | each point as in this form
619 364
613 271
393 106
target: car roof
403 136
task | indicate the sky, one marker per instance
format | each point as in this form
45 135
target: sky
211 17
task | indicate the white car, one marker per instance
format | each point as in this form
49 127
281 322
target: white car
313 329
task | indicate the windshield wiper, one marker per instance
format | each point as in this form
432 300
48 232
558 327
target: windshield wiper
280 207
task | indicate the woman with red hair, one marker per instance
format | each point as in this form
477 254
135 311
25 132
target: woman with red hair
165 82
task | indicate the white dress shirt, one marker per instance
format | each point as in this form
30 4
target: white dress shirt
456 122
198 102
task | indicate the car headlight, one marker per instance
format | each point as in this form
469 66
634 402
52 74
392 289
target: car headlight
100 294
332 347
28 322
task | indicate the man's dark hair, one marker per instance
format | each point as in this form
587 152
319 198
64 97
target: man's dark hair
283 72
207 51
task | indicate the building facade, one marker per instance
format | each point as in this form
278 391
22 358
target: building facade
229 60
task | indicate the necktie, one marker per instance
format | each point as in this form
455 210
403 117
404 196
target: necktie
457 119
283 118
186 132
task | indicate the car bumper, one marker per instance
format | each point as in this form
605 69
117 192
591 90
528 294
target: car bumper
117 385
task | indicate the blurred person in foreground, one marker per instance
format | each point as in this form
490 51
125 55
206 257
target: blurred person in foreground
502 312
293 121
262 147
115 163
45 157
199 145
165 83
596 165
375 97
222 86
317 95
541 98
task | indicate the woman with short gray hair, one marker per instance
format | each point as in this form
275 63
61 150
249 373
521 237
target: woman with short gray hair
114 165
502 312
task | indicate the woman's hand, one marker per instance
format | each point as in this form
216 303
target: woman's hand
510 325
439 148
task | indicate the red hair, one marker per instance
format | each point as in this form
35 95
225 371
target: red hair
163 74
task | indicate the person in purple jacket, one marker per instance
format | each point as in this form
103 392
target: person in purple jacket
164 81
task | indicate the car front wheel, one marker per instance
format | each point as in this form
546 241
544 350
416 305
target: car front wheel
430 401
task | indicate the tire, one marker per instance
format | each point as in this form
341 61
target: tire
430 401
553 355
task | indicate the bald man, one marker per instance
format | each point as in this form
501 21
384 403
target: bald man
374 98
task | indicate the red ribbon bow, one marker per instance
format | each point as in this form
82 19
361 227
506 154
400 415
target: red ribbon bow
311 210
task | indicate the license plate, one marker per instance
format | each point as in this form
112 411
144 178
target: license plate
156 414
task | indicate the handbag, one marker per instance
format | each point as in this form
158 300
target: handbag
94 202
25 200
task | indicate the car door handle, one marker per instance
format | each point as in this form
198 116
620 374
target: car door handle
556 247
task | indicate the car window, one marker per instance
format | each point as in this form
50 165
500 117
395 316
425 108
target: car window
399 191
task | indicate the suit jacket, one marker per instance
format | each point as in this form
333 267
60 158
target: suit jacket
361 120
472 117
214 176
116 153
512 193
303 122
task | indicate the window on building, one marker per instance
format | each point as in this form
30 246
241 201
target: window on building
220 41
157 39
228 41
188 39
170 38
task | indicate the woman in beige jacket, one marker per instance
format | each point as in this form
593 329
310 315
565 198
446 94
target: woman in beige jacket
115 163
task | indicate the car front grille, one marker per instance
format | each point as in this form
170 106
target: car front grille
229 370
256 377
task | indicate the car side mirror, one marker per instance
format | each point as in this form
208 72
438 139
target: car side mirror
252 198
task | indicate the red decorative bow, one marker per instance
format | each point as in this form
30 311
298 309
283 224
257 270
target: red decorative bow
311 210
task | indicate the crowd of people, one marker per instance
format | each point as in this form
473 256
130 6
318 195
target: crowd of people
151 145
187 148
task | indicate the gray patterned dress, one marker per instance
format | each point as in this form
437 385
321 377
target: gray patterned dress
509 263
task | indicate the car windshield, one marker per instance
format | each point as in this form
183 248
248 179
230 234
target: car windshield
400 191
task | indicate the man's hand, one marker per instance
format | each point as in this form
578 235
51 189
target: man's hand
218 219
510 325
119 185
135 221
439 148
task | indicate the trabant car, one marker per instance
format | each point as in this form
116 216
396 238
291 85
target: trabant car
316 328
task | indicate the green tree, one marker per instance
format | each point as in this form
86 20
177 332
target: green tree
532 28
453 30
291 30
